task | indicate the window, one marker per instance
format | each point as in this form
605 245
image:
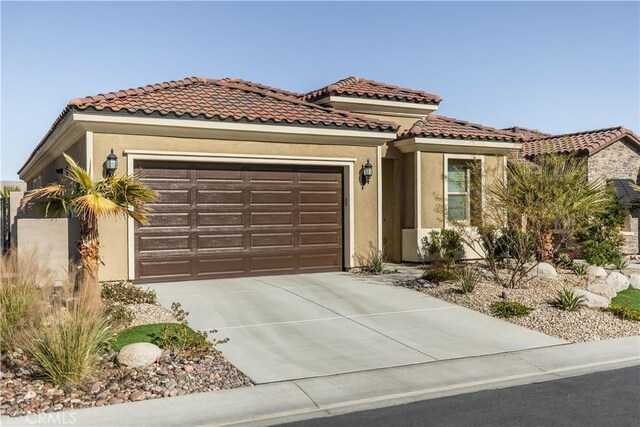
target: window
458 177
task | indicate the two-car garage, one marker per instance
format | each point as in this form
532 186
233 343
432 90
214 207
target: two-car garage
214 220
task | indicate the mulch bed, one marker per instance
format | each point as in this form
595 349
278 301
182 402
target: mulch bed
23 393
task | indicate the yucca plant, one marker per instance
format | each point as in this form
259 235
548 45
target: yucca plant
373 261
580 268
568 300
468 280
620 263
89 200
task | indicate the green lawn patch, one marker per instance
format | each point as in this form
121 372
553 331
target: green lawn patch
629 298
142 333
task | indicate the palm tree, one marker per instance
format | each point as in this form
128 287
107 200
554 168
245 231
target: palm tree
90 200
551 191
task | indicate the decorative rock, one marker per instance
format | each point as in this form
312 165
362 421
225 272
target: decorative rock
116 400
136 396
634 281
591 300
29 395
95 388
139 355
603 290
542 269
188 368
617 281
596 272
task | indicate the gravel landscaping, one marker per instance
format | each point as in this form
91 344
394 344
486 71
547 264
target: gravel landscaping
145 314
538 293
23 393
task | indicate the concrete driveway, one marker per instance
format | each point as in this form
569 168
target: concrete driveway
301 326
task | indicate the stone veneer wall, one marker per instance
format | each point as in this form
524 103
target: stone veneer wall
620 160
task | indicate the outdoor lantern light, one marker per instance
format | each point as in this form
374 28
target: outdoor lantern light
111 164
367 171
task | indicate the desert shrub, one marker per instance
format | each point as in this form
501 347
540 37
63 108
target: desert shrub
468 280
506 309
506 251
118 315
620 263
438 274
568 300
182 339
599 235
127 293
22 283
372 261
445 245
625 313
563 259
580 268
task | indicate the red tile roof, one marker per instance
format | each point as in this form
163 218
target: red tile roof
586 142
227 99
359 87
444 127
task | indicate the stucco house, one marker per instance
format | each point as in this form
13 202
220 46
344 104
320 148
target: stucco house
256 180
613 155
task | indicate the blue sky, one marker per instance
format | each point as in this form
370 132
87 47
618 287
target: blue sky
558 67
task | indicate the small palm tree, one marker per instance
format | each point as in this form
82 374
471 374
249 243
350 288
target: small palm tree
551 191
90 200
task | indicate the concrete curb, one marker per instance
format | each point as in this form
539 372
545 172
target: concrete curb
315 397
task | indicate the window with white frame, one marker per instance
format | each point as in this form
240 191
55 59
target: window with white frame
458 190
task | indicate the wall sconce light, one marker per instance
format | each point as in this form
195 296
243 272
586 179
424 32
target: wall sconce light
367 172
111 164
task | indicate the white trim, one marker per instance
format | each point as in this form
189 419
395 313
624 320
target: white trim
380 106
379 196
88 142
418 203
348 206
445 175
452 145
229 126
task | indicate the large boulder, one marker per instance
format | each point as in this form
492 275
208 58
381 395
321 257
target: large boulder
602 289
542 269
617 281
590 299
634 281
139 355
595 272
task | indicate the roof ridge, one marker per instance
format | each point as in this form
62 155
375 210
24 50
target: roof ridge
299 101
123 93
569 134
468 123
259 85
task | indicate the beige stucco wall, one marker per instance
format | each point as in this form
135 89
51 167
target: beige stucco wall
77 152
432 169
113 232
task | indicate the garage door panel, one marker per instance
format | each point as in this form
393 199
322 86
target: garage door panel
220 241
219 197
272 240
225 220
265 197
317 218
160 242
218 219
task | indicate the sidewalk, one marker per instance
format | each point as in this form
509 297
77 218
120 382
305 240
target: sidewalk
335 394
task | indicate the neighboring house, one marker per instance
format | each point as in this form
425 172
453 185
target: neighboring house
257 180
613 155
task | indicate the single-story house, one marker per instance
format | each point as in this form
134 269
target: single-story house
255 180
613 155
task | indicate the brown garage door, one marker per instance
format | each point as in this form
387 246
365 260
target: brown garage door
223 220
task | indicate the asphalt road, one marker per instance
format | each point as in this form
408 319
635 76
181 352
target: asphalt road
610 399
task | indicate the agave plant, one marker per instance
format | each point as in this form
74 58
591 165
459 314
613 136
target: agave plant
568 300
89 200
